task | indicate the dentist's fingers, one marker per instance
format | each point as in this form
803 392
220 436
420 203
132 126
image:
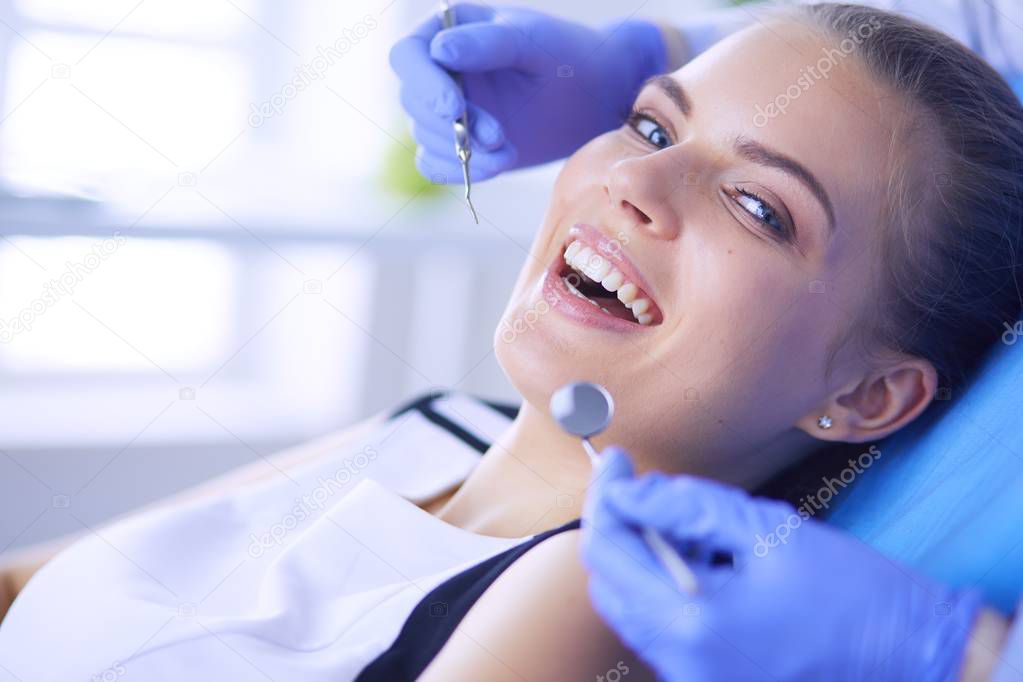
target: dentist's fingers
441 143
482 47
410 59
424 79
638 622
616 553
614 464
482 166
611 547
614 550
471 13
465 13
485 130
688 509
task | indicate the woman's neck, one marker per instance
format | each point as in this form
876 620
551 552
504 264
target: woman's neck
531 479
534 477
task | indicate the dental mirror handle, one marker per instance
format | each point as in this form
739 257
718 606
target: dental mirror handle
683 576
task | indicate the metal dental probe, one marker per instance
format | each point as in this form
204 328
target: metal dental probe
461 124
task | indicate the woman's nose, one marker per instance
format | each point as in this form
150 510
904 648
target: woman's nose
640 192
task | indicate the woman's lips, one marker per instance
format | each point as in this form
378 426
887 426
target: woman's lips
581 309
614 252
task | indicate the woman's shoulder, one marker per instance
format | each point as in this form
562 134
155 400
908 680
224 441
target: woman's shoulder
536 622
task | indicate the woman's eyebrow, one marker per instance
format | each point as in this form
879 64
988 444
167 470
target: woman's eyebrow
759 154
674 90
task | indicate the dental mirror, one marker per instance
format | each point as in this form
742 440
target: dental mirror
583 409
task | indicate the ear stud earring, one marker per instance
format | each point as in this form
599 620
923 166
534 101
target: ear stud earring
824 421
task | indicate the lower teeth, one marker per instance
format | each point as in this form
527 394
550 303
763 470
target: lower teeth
579 293
583 297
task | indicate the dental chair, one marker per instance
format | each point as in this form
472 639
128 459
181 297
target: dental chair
946 495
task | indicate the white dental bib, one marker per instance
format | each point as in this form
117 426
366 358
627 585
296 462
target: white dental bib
306 576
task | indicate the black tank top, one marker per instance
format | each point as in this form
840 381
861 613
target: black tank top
437 614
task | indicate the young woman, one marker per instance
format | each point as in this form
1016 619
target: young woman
795 276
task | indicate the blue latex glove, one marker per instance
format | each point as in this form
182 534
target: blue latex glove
538 87
819 605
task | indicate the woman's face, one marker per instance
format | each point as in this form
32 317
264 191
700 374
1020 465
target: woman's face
742 200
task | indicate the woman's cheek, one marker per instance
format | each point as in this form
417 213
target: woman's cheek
587 168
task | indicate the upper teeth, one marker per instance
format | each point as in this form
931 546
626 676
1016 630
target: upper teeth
598 268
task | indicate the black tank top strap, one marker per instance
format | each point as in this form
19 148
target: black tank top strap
437 614
427 405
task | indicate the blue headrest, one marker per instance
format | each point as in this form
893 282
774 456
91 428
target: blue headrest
946 493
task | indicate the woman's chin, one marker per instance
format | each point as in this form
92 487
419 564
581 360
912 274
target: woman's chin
541 346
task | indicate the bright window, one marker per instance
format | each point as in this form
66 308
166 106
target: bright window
269 107
74 303
217 137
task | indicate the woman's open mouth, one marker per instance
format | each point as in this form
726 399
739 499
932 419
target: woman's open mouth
593 281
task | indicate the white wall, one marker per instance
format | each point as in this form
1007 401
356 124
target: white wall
268 290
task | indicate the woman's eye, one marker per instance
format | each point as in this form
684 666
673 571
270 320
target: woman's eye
650 130
760 209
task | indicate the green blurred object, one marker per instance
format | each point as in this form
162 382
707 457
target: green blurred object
398 173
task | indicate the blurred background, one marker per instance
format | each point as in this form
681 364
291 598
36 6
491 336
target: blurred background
214 243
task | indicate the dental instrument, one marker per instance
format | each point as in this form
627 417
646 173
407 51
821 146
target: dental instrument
584 409
461 124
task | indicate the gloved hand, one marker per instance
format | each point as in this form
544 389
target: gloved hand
538 87
802 602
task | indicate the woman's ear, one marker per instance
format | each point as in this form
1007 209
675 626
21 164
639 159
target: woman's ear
876 405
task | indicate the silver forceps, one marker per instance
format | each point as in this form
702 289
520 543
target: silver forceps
461 124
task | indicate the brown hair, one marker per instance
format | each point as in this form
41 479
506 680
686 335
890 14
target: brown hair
950 275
